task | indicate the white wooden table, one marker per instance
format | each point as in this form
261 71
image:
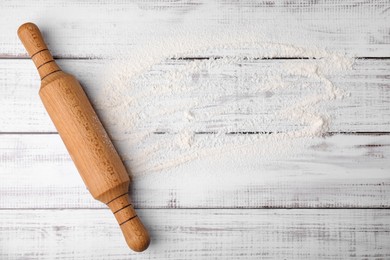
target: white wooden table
329 202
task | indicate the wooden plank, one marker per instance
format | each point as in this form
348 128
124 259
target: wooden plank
365 110
339 171
95 28
199 234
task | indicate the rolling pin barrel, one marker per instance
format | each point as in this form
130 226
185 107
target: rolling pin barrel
85 138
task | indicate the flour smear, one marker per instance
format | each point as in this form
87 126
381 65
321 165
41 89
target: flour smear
193 96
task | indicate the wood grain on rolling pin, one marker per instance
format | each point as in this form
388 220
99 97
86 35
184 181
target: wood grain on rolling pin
84 136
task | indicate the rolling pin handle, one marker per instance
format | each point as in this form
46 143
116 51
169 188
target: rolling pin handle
135 233
32 39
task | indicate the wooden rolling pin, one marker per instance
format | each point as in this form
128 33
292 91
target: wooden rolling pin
85 138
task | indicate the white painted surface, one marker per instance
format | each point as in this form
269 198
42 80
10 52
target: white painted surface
46 213
365 110
199 234
72 28
337 171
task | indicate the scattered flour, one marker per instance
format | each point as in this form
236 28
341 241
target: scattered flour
197 95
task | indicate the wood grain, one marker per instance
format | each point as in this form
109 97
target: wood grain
47 213
340 171
85 138
199 234
32 40
365 110
95 28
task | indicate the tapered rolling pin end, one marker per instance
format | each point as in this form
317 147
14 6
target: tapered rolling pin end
31 37
25 26
135 233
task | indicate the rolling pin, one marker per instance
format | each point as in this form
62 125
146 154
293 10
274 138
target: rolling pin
85 138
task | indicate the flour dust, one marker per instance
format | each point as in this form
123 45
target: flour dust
186 98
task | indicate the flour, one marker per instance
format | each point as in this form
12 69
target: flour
164 109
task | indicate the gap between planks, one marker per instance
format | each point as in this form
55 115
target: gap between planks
212 208
201 133
3 57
